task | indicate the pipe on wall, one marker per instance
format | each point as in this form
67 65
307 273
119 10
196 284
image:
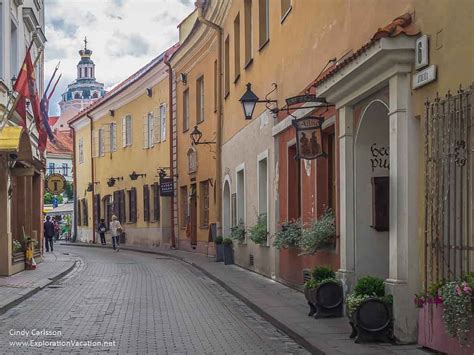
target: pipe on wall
92 177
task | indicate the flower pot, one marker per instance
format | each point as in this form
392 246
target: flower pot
432 332
228 255
328 299
219 252
372 322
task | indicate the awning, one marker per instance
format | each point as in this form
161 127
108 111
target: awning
65 209
10 139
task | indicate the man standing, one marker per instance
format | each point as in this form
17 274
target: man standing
116 229
102 228
48 233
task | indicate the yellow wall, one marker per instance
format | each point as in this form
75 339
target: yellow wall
125 160
312 33
196 62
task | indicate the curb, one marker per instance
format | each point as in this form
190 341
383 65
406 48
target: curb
16 302
265 315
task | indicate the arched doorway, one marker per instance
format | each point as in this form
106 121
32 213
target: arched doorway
371 167
226 210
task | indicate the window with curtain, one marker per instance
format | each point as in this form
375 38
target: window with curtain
185 110
200 99
263 22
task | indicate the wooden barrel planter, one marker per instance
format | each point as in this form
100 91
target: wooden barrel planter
372 321
326 300
219 252
228 254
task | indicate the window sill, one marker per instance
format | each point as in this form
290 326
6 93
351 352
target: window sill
185 130
199 122
248 64
237 78
264 44
226 95
283 18
204 227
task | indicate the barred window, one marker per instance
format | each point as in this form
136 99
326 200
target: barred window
204 200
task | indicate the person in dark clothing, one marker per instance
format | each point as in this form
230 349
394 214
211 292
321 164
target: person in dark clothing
102 228
48 233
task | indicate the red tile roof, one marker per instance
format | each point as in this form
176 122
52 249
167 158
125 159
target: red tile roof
401 25
127 82
63 143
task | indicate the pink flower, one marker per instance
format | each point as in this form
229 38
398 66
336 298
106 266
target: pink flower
467 290
458 290
437 300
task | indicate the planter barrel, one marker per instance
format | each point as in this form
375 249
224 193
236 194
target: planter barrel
309 294
329 300
228 255
219 252
432 332
372 322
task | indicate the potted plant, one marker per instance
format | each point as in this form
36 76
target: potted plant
289 235
319 234
370 311
219 249
228 252
258 232
238 232
445 319
324 293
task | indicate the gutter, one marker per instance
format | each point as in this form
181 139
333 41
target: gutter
92 177
74 182
200 6
172 210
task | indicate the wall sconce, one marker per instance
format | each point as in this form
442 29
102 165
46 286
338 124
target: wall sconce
149 92
134 176
111 181
112 113
309 142
249 101
184 78
90 186
196 136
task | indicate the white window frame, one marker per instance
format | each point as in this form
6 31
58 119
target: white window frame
127 130
163 122
200 115
238 169
264 156
81 150
101 141
185 110
150 121
113 137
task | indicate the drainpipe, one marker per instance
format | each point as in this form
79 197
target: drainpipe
92 177
170 79
200 4
74 182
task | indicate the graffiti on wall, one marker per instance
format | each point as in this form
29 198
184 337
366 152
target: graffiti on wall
380 157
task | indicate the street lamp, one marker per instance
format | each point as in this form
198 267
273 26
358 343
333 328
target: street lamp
134 176
309 138
111 181
249 101
196 136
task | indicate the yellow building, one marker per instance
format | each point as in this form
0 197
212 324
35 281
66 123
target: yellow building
196 66
122 143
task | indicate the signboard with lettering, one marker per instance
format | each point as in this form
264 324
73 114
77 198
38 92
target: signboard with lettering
166 187
421 52
55 184
304 99
309 137
424 77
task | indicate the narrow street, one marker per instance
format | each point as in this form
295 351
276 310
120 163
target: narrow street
145 304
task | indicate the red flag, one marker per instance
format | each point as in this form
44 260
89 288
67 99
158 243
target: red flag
26 88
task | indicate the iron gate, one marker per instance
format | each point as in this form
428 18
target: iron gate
449 143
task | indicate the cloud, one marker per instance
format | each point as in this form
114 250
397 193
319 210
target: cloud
124 35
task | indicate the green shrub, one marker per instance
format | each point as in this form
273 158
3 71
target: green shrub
227 241
318 234
289 235
258 233
370 286
321 273
218 240
310 284
238 232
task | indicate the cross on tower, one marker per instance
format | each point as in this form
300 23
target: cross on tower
85 42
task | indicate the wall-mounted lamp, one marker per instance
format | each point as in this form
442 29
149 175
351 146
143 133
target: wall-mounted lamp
111 181
249 101
112 113
13 80
90 186
134 176
184 78
196 136
149 92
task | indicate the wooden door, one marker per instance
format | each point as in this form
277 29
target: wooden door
193 214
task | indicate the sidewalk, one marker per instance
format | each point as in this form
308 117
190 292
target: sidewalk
282 306
16 288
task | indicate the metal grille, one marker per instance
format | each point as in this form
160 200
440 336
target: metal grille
449 142
251 260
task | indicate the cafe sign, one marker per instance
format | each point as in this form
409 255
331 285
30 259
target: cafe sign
55 184
166 186
309 137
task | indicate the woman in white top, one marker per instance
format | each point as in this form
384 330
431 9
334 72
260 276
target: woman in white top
116 229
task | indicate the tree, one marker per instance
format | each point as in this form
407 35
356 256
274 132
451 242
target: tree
68 191
48 198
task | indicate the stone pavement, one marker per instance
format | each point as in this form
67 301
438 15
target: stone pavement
135 303
282 306
16 288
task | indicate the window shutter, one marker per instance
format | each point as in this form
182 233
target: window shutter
124 131
85 214
113 137
163 122
117 204
97 209
156 202
79 213
106 137
146 144
95 143
157 125
146 203
130 130
122 215
133 205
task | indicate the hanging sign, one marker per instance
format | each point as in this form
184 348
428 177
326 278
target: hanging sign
304 99
309 137
166 186
55 184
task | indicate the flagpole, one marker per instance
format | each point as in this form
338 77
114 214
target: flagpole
17 97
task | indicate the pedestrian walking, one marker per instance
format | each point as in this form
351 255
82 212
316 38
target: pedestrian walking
48 233
102 228
116 229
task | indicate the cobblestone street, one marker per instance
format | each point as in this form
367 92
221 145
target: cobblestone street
145 304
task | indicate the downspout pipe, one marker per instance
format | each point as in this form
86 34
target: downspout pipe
92 177
74 181
170 79
200 4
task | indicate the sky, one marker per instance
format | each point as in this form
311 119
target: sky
123 35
